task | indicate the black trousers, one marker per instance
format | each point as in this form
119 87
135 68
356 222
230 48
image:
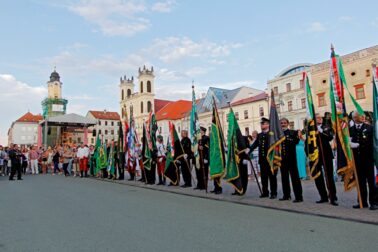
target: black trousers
151 174
365 173
16 168
326 179
267 175
289 171
65 166
243 176
202 175
121 166
217 185
185 171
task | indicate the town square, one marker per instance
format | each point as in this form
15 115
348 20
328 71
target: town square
169 125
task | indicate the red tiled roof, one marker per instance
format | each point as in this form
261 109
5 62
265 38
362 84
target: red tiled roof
258 97
174 110
105 115
29 117
159 104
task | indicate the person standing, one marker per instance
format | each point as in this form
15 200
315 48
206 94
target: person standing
203 172
33 155
16 159
3 156
185 169
82 155
323 139
161 158
262 143
362 144
67 156
56 158
289 163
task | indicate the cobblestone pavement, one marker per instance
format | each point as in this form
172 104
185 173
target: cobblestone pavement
345 199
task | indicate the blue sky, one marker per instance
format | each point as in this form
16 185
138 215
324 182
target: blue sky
215 43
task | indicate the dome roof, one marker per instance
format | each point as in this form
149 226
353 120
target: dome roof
294 69
54 76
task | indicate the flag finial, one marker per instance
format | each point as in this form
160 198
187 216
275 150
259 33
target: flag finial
332 48
192 84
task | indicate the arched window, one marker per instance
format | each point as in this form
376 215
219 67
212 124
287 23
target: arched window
131 110
148 86
149 106
141 86
128 93
141 107
123 94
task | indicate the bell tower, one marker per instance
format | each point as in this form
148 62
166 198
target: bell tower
126 86
54 104
146 89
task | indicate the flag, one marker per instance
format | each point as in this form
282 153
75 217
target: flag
96 154
345 162
217 143
121 139
146 152
195 133
173 157
236 145
101 157
131 139
312 131
152 130
111 165
375 114
276 137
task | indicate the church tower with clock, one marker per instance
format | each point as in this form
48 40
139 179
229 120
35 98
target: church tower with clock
54 104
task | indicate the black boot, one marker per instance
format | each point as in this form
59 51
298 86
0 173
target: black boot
86 174
81 174
160 180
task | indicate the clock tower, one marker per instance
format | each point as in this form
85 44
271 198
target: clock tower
54 104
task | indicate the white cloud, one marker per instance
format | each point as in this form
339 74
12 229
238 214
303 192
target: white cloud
375 22
119 17
345 18
172 49
163 6
17 98
316 27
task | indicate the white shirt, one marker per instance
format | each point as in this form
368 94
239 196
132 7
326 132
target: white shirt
161 149
83 152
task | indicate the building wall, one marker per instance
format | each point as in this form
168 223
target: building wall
107 129
24 133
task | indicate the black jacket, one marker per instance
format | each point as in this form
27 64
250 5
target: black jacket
364 137
289 152
262 142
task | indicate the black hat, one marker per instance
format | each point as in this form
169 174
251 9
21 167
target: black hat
264 120
203 129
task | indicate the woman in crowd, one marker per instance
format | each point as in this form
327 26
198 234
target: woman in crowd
67 156
55 159
301 158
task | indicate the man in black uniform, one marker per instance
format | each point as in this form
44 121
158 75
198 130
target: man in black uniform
362 143
15 157
266 173
325 162
185 170
203 171
289 163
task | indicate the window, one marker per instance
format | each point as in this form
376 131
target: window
179 129
291 125
353 73
112 132
246 131
106 132
237 115
112 123
160 129
149 106
141 86
303 103
360 91
131 110
301 84
79 139
288 87
290 106
148 86
123 94
128 93
99 122
245 114
261 111
106 123
367 73
141 107
275 90
99 132
321 100
92 140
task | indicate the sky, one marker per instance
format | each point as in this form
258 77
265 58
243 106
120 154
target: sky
213 43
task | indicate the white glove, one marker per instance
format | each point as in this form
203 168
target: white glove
246 151
354 145
185 156
320 130
160 160
245 162
205 161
